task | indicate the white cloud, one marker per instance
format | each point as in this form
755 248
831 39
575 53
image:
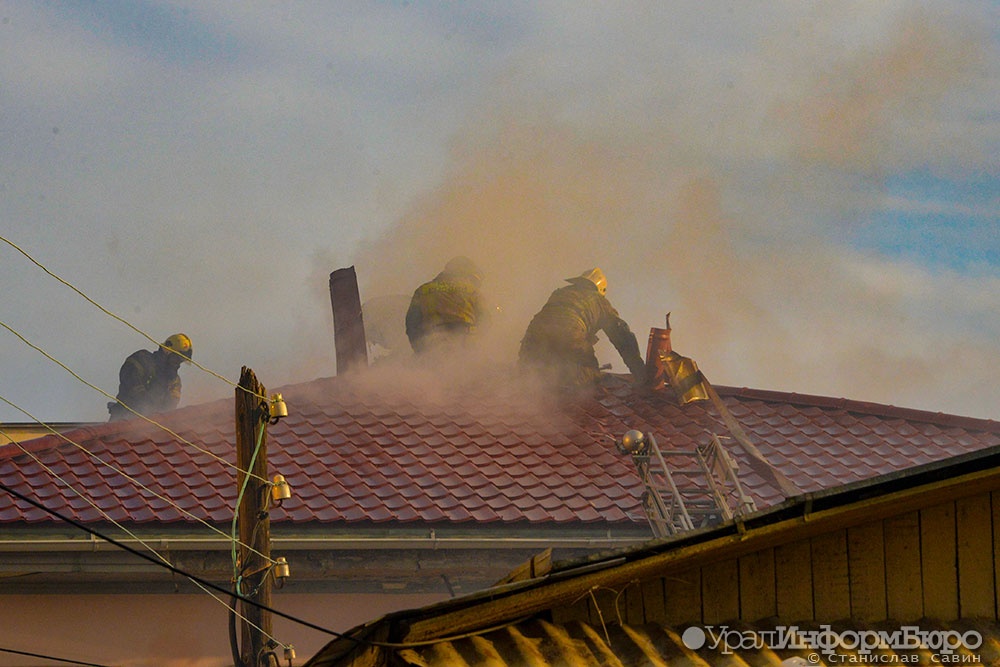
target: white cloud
923 206
46 61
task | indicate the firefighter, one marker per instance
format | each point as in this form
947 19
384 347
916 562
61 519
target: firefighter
148 381
447 309
559 341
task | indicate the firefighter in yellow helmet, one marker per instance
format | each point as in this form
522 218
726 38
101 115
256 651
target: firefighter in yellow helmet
148 382
446 309
560 338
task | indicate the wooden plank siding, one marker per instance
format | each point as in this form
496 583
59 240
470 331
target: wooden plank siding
758 596
654 604
794 580
635 608
973 526
866 571
682 596
941 561
995 497
608 607
720 592
904 597
831 581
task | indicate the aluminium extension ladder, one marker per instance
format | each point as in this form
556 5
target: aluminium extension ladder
688 489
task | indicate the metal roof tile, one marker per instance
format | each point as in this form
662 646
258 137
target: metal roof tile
486 454
353 513
551 502
482 514
380 514
300 514
410 491
407 513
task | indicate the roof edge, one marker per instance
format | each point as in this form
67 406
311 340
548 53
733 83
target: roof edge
809 511
860 407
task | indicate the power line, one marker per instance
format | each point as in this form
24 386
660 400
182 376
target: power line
237 597
134 536
113 315
106 394
51 657
126 476
175 570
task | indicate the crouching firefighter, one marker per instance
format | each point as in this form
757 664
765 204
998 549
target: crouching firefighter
148 382
447 309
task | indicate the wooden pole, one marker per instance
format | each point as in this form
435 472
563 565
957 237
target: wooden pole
252 519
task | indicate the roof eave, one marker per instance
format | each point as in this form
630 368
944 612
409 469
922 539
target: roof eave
797 518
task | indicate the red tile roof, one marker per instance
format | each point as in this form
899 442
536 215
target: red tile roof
362 452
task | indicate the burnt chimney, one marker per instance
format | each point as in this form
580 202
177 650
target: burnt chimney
348 325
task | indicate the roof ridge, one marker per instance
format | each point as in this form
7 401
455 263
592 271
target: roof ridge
861 407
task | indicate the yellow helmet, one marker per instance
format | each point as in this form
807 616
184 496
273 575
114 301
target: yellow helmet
595 276
179 343
463 267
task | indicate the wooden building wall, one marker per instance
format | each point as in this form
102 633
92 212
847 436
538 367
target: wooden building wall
940 561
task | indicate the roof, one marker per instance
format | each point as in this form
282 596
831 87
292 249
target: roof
529 622
380 447
540 642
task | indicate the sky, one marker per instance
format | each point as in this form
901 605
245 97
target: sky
811 190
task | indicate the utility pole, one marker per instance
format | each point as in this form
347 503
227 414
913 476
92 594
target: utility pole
254 582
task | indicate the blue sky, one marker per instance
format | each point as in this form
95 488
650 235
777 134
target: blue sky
159 31
948 223
811 189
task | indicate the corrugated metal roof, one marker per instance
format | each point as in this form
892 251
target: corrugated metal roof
373 449
540 643
519 615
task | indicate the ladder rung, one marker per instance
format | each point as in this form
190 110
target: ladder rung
707 487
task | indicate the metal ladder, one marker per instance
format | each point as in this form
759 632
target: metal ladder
710 492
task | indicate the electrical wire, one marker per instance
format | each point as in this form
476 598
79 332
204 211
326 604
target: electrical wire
137 414
254 603
126 476
238 571
247 474
239 501
119 318
51 657
134 536
121 545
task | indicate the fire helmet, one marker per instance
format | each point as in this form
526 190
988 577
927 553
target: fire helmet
595 276
463 267
180 344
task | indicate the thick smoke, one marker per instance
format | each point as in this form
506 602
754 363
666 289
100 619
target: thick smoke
762 292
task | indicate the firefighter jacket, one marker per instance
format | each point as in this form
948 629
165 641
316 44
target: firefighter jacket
148 383
560 338
443 309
